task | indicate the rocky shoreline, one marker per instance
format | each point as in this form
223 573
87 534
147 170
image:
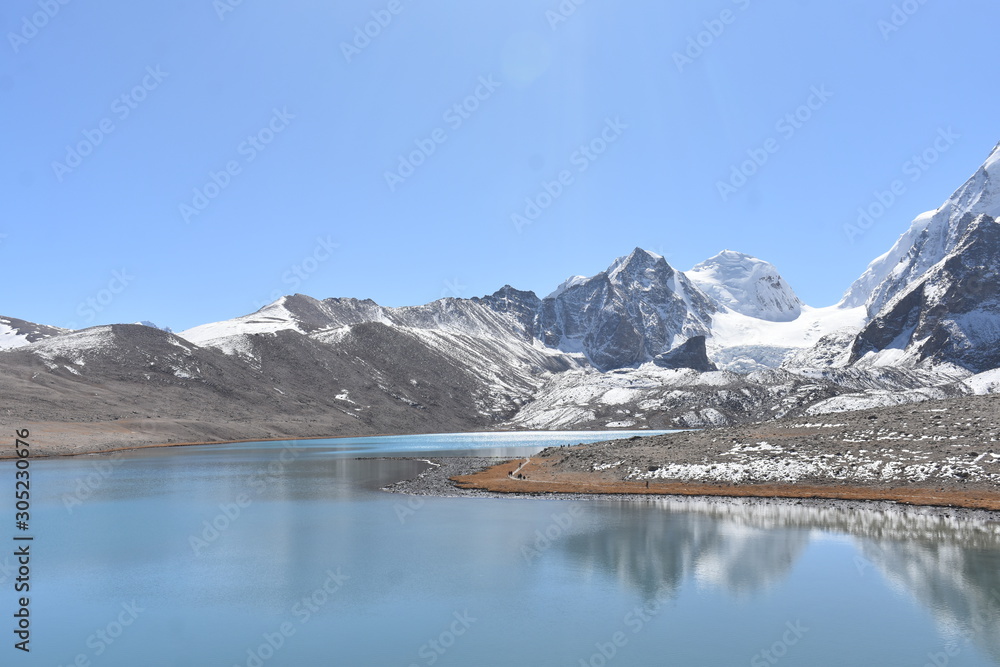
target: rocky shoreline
943 454
437 481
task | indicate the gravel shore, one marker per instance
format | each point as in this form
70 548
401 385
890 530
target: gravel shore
946 445
436 481
943 453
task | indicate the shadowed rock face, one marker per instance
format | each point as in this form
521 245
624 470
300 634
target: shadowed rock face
692 354
520 306
931 237
952 315
637 309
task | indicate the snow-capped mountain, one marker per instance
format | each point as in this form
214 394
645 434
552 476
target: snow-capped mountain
490 337
761 323
950 315
637 310
931 237
747 285
932 300
745 344
640 307
639 344
363 379
507 312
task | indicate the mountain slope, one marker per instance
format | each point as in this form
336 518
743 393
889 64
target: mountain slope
951 315
146 385
746 344
490 338
296 312
931 237
18 333
761 322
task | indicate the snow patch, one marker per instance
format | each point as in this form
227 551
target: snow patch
984 383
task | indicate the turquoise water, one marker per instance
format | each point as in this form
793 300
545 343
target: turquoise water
308 563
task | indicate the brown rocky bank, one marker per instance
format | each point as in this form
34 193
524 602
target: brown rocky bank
943 453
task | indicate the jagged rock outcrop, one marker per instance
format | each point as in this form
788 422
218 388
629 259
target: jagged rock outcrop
690 354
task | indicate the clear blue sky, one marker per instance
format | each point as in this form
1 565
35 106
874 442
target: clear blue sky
199 81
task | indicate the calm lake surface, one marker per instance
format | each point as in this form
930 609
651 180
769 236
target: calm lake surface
308 563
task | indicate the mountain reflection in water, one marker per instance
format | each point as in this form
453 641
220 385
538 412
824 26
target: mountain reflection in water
950 566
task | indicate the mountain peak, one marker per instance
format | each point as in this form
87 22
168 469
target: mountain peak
648 253
154 325
732 254
642 255
572 281
931 237
730 258
637 260
747 285
624 316
507 298
993 160
948 316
